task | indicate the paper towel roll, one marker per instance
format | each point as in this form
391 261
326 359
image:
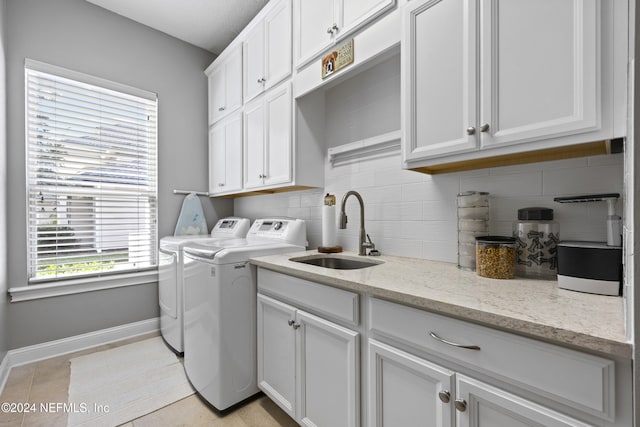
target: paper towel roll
328 226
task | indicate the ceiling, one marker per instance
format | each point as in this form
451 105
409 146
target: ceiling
209 24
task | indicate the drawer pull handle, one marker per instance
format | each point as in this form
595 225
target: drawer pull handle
468 347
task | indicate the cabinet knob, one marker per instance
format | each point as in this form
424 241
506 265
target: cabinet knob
293 324
221 184
330 30
444 396
335 28
484 127
461 405
221 109
262 80
471 130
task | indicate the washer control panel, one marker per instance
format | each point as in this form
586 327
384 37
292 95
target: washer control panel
231 227
292 231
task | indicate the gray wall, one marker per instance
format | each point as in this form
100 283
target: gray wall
83 37
3 187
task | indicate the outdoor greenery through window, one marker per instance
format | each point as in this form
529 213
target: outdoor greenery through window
91 175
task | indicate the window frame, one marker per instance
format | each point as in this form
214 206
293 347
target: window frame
65 284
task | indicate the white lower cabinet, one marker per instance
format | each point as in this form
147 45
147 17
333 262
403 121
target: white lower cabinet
308 365
456 373
479 404
406 390
420 368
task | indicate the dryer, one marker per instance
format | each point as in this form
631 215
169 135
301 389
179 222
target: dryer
170 283
220 292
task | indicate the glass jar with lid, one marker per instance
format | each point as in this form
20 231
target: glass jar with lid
496 257
537 242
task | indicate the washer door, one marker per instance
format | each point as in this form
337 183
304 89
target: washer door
168 283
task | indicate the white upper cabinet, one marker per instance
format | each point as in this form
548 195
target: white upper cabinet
225 155
225 84
319 24
267 139
485 78
267 51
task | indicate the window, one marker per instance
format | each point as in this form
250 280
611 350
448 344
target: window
91 175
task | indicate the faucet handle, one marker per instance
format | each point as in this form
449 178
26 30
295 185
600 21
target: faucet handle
372 246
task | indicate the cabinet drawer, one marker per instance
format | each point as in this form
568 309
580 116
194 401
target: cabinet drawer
576 379
332 303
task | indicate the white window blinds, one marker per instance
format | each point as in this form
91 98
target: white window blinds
91 175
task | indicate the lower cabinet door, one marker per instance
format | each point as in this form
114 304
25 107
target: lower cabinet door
328 373
276 352
479 404
405 390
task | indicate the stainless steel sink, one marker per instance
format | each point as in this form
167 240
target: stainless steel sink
337 263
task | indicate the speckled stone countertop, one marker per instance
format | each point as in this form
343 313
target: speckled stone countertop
534 308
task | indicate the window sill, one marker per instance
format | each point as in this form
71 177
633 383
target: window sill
78 286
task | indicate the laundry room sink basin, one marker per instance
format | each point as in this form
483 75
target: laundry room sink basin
337 263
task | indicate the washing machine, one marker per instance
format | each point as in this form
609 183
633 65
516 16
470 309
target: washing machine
170 283
220 292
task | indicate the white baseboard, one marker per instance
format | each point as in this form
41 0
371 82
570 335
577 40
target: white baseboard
34 353
4 371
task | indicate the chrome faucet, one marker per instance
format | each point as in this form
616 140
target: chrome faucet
363 244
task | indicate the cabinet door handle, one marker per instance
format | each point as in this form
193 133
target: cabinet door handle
262 80
293 324
461 405
221 109
484 127
444 396
335 28
468 347
329 30
221 184
471 130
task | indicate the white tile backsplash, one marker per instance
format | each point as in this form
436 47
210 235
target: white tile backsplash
413 214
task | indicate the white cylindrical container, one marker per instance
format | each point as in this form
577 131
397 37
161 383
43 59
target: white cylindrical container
473 221
329 221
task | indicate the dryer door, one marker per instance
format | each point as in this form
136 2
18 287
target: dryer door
168 283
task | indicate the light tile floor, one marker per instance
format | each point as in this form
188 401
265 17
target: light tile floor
47 381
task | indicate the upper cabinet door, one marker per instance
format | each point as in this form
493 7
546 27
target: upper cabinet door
277 31
217 159
279 148
253 144
439 77
254 72
225 85
217 94
233 71
225 155
539 81
233 153
314 21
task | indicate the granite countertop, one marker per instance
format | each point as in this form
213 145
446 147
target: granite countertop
535 308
